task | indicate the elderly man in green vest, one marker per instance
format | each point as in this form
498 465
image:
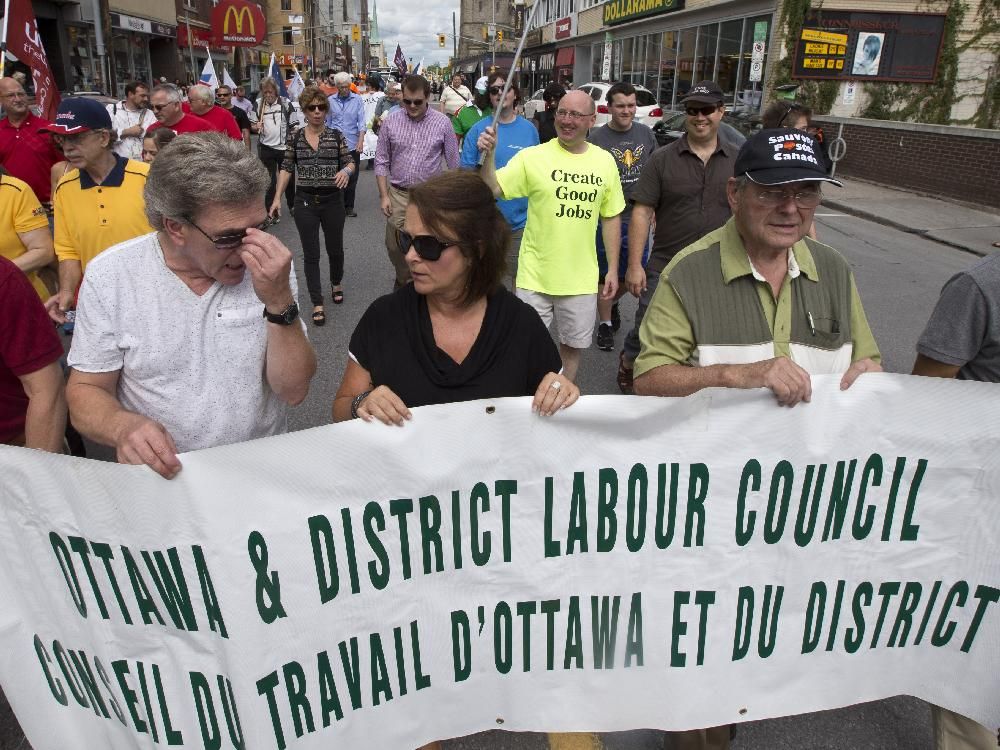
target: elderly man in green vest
757 303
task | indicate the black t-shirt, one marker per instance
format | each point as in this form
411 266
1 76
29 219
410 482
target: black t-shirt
242 119
394 342
546 119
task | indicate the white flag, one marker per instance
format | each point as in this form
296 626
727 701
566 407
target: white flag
227 80
297 86
208 76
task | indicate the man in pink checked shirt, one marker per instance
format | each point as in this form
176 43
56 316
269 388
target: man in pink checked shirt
412 143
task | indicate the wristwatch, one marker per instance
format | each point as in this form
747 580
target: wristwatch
285 318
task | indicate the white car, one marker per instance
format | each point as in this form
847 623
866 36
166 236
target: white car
535 104
647 111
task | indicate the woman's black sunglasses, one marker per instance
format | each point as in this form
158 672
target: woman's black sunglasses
427 247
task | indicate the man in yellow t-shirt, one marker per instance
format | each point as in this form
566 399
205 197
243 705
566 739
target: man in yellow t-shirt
24 231
570 184
97 204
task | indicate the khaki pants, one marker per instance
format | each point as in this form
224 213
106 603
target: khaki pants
399 200
955 732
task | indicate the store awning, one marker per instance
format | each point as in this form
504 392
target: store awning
564 56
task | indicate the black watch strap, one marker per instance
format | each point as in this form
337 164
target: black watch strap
285 318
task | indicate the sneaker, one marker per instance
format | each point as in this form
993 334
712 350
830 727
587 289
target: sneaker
624 376
605 337
616 318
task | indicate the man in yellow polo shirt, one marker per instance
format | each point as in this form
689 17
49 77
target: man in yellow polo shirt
97 204
24 231
570 184
757 303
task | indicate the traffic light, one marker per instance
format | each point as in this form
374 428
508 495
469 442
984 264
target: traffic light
356 33
486 33
441 40
499 35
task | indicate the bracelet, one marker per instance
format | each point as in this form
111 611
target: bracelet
356 403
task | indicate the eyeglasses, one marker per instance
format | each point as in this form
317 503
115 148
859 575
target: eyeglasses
233 240
158 107
788 110
413 102
220 95
704 111
569 114
317 108
72 140
495 90
803 198
427 247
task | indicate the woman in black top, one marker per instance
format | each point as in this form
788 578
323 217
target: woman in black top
455 333
321 161
545 119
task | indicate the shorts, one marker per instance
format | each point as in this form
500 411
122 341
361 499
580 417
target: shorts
602 258
574 315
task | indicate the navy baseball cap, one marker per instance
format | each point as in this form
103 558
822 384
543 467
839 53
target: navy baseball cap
781 155
78 114
704 92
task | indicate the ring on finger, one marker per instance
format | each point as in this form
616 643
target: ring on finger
555 384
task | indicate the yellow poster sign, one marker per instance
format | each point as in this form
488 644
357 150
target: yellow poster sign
814 62
816 35
812 48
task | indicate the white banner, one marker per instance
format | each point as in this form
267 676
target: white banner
630 562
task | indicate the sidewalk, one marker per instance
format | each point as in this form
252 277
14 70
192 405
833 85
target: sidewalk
954 224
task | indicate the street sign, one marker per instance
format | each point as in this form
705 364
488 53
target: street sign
756 71
758 49
606 63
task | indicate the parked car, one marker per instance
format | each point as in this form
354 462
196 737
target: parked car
647 111
97 96
734 128
534 104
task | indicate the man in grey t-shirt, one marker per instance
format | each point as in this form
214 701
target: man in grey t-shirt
631 144
962 340
962 337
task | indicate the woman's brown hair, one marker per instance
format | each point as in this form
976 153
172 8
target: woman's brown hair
458 205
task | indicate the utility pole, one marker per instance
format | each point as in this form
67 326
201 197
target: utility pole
493 39
454 38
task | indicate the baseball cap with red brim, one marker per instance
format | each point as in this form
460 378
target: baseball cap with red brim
78 114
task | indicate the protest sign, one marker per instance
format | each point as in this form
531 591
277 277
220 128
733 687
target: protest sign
630 562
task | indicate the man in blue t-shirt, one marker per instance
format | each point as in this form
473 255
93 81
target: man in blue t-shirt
513 134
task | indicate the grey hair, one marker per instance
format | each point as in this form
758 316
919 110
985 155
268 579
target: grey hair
394 86
173 93
202 93
741 182
268 82
342 77
189 177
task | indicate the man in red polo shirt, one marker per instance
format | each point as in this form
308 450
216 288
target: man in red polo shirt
165 101
32 395
201 102
24 152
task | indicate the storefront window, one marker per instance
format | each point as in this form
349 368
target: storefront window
628 46
729 57
616 61
82 60
708 42
685 61
668 68
652 67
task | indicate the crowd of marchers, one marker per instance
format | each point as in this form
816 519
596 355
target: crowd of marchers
141 229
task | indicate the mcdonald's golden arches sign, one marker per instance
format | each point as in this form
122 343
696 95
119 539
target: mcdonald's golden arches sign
238 23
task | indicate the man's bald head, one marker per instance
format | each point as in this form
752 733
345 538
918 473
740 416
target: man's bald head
13 99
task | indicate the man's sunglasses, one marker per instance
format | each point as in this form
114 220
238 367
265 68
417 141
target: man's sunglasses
413 102
704 111
427 247
317 108
158 107
233 240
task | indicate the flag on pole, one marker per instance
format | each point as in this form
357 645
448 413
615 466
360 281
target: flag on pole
227 80
25 43
400 60
208 76
297 86
418 68
275 73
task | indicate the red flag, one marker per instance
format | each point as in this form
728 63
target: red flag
25 43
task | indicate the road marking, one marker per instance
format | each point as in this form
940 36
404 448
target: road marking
575 741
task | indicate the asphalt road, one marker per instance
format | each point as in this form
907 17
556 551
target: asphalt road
899 276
